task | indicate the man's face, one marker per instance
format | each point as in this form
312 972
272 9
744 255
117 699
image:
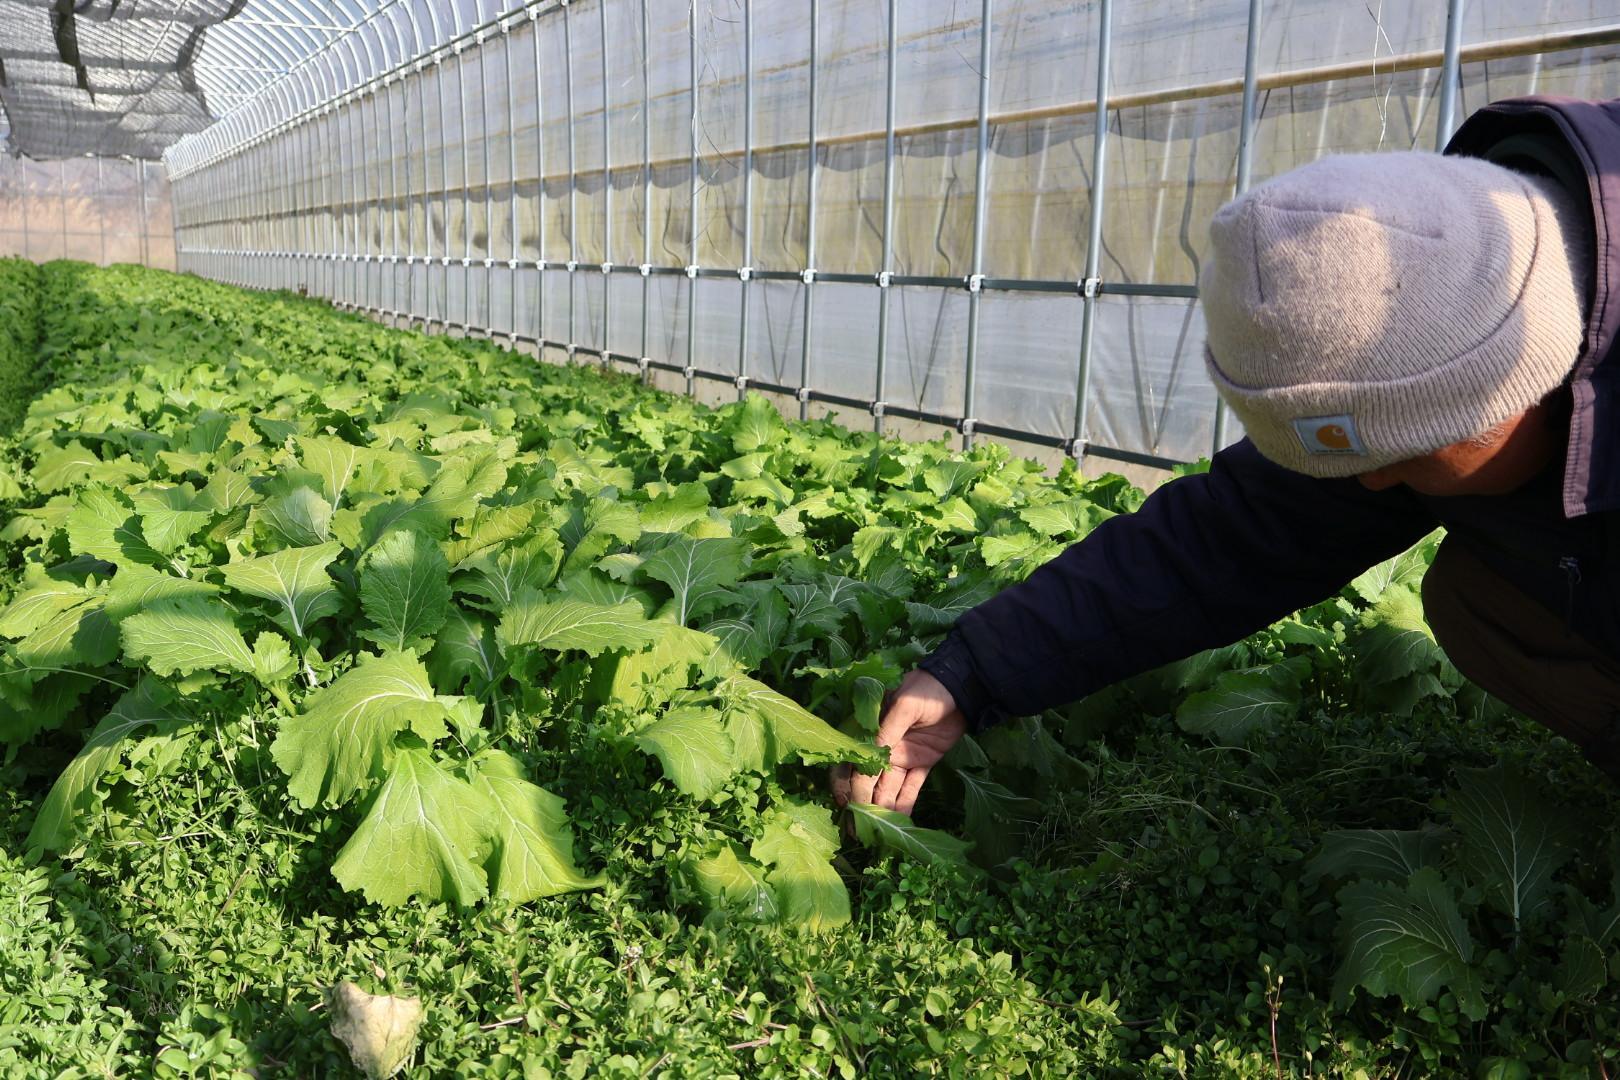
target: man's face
1497 462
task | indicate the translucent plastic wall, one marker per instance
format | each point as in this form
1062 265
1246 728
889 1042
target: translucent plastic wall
101 210
904 206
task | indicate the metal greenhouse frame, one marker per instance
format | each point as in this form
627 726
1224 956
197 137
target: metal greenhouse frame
303 184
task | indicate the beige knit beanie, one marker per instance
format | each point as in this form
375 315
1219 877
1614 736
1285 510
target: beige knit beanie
1370 308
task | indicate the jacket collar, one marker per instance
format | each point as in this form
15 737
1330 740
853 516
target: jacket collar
1578 141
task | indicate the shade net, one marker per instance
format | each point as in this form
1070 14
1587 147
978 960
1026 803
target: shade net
108 77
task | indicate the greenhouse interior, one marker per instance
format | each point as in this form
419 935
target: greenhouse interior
485 487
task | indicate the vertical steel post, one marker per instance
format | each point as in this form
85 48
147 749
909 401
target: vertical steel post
1245 161
746 271
886 265
393 176
489 188
809 273
646 183
539 194
980 210
1089 285
146 233
466 183
511 188
573 178
1449 74
444 186
607 197
692 267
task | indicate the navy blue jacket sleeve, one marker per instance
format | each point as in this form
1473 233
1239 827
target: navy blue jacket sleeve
1207 560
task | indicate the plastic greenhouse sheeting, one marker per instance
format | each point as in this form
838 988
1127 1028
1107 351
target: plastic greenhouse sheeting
706 186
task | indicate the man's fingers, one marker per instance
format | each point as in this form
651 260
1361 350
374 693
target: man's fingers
888 787
861 787
906 802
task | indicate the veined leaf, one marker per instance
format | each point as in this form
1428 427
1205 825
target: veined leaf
345 735
533 852
1410 941
1240 704
422 835
404 590
61 468
36 604
1513 841
300 517
73 794
81 636
731 881
559 625
877 827
136 587
787 728
169 516
698 572
1396 641
465 648
797 843
334 460
295 579
500 574
104 524
697 754
186 634
1377 854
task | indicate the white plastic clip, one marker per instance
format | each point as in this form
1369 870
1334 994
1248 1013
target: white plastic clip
571 265
690 372
884 280
511 264
975 283
692 272
967 425
643 364
1090 287
607 268
808 275
489 262
744 273
877 407
742 383
802 394
646 269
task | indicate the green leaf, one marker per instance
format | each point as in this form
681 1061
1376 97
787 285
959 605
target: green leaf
786 729
647 679
1513 841
61 468
533 853
731 881
757 425
169 516
1240 704
797 842
1583 971
136 587
1410 941
941 611
333 460
500 574
675 510
423 835
465 648
301 517
1396 641
186 634
404 590
880 828
104 524
73 795
81 636
37 604
345 734
697 754
295 580
698 572
559 625
1378 854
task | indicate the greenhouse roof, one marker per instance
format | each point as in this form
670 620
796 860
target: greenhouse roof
129 77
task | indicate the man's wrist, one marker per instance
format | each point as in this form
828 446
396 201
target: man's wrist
952 664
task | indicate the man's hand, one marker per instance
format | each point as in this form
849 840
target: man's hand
920 725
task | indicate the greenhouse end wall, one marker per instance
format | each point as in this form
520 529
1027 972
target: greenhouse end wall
898 207
100 210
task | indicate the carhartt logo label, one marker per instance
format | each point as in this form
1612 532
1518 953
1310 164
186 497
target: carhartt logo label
1329 435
